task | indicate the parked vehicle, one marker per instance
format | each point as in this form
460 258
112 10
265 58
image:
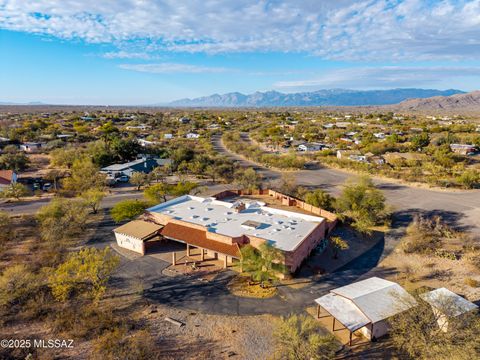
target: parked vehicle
47 187
123 179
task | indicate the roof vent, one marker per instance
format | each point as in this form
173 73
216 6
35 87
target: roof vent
250 224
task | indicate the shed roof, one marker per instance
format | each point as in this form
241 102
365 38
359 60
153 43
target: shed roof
139 229
448 302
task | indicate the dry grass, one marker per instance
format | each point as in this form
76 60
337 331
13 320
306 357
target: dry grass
244 287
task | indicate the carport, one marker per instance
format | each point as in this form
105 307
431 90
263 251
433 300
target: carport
343 313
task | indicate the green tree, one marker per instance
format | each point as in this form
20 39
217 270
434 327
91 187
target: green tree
127 210
288 184
54 176
14 161
469 179
156 193
64 157
139 179
248 179
263 264
298 337
62 220
83 273
420 141
16 191
320 198
84 175
337 244
361 202
93 197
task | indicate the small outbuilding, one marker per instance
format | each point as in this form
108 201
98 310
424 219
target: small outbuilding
446 305
364 306
134 234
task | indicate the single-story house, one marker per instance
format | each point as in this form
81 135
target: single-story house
192 135
184 120
134 234
146 143
365 306
446 305
310 147
168 136
463 149
7 178
31 147
221 228
144 164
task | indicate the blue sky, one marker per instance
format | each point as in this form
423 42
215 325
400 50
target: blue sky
144 52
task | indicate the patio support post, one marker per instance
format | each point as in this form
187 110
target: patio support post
333 326
202 252
188 249
350 341
318 311
225 262
174 258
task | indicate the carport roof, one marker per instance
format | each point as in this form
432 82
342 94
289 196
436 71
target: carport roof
139 229
344 310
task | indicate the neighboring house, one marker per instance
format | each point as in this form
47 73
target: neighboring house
86 118
145 165
345 154
307 147
184 120
220 228
365 306
192 135
31 147
447 305
380 135
64 136
168 136
138 127
463 149
357 158
7 178
146 143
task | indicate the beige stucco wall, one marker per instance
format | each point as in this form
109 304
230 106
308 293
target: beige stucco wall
379 329
130 243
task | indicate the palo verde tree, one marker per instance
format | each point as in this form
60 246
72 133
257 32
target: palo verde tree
84 273
128 210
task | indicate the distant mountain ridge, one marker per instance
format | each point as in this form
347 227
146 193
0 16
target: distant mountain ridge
465 102
327 97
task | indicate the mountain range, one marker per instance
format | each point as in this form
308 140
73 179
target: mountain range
466 102
327 97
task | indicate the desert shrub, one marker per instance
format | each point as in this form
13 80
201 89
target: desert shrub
472 282
298 337
118 344
17 284
84 321
425 236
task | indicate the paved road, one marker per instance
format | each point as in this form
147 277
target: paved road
459 208
32 206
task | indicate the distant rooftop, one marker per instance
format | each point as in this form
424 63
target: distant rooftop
283 229
447 301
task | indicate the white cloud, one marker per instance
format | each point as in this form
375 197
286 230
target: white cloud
340 29
121 54
172 68
382 77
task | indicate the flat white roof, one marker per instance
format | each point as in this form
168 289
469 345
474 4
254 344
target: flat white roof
448 302
283 229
